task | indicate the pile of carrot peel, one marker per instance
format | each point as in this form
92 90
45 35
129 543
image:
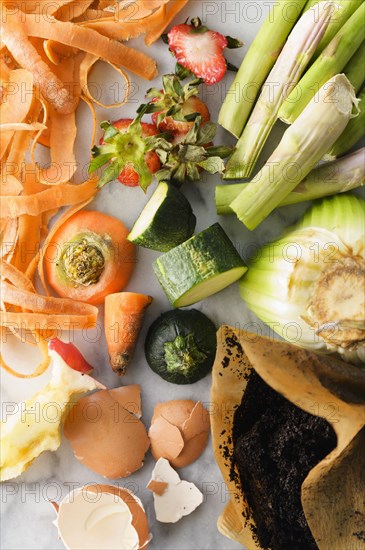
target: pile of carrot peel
46 53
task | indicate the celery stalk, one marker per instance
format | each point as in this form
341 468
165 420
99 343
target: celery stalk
355 68
257 64
288 69
342 175
331 62
342 11
353 132
303 145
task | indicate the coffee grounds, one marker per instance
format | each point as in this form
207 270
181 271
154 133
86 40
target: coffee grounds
276 444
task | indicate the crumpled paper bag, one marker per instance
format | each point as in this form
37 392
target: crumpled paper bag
321 385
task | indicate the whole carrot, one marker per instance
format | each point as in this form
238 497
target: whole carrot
124 313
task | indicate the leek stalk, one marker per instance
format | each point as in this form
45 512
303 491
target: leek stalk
257 64
308 286
302 146
342 11
332 61
342 175
288 69
353 132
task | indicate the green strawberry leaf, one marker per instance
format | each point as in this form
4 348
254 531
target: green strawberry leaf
233 43
206 133
192 172
231 67
99 161
145 176
220 151
163 175
182 72
192 136
111 173
213 165
191 153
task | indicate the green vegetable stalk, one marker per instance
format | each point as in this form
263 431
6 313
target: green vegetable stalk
332 61
257 64
353 132
302 146
288 69
327 179
355 68
342 10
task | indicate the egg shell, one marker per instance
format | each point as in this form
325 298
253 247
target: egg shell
166 437
139 518
129 397
106 437
192 420
191 451
88 520
197 423
179 498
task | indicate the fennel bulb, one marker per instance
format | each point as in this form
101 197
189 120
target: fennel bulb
309 286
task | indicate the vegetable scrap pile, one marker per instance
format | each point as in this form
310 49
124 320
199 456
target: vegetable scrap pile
87 257
47 53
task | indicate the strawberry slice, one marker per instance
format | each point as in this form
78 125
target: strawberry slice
71 355
127 147
199 50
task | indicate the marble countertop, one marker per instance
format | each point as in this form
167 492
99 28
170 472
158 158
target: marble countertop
26 513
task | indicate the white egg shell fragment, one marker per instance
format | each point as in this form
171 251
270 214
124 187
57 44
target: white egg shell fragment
179 498
102 517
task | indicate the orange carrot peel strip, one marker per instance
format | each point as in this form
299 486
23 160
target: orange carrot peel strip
16 40
91 41
41 368
86 66
53 197
168 13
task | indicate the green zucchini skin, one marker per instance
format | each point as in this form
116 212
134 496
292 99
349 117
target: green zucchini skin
172 224
197 261
181 323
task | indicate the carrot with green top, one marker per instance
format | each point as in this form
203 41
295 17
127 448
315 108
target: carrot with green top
124 313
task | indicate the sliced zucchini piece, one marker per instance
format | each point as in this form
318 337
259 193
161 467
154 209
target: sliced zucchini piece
200 267
166 221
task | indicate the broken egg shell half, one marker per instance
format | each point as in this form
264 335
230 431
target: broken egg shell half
102 517
178 498
179 431
105 433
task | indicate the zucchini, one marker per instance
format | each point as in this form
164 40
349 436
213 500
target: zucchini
200 267
181 345
166 221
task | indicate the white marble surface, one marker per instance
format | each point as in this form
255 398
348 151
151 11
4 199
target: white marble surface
26 514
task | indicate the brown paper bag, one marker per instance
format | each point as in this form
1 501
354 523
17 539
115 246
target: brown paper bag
335 390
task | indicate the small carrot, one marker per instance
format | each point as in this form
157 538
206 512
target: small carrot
124 314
